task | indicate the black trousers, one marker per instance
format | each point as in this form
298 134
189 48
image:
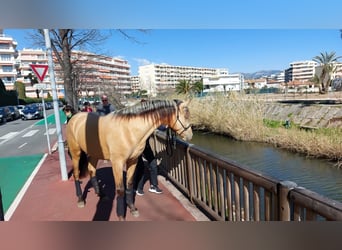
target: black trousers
150 172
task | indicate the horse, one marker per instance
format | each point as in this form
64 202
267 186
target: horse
120 137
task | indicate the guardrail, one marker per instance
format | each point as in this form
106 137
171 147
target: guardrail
228 191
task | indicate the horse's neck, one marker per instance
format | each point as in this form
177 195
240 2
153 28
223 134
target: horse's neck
152 125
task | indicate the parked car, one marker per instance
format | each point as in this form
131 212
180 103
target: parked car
48 105
14 112
32 111
20 109
5 115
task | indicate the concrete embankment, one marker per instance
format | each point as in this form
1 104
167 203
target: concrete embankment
315 114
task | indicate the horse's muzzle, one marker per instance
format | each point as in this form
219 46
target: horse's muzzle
187 135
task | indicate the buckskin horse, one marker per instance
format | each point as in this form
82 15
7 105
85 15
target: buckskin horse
120 137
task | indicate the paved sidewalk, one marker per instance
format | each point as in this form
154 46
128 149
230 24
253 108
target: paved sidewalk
48 198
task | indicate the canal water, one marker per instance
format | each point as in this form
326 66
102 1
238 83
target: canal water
316 175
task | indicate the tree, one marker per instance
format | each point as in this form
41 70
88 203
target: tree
63 41
20 88
183 87
197 87
327 68
187 87
33 79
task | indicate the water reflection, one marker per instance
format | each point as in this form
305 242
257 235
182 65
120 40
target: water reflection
316 175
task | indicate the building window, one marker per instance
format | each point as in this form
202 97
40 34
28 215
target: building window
7 68
4 46
5 57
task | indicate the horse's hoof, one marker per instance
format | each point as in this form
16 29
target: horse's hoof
80 204
135 213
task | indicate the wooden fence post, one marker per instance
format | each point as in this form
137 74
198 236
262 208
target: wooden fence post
284 204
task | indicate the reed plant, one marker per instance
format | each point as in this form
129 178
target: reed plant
243 118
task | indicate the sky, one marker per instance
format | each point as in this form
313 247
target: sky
241 36
238 50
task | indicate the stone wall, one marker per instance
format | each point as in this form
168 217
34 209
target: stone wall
306 115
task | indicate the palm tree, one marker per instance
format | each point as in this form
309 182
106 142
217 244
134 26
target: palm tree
197 87
187 87
326 62
183 87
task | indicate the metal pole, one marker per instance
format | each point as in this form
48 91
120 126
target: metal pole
2 216
62 160
46 126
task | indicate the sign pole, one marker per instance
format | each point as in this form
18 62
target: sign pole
46 125
61 151
40 72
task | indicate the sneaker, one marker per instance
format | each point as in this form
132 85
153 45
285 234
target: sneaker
140 192
155 189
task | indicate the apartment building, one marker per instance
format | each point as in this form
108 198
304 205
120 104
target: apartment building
93 74
25 58
162 78
97 74
223 82
300 71
135 84
8 54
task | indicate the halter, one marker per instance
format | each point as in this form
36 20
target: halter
171 134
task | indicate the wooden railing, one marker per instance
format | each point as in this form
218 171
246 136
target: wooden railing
228 191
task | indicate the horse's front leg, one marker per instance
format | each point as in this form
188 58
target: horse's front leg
129 189
76 155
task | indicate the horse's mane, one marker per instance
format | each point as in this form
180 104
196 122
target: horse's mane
154 109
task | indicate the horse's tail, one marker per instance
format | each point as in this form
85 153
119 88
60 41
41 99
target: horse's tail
83 164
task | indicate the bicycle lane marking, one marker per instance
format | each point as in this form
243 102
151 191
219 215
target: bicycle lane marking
16 176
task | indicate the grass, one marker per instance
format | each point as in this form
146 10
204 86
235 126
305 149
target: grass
242 118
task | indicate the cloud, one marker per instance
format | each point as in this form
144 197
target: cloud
142 61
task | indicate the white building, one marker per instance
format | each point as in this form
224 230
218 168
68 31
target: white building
8 54
223 83
93 73
161 78
300 71
135 84
25 58
98 74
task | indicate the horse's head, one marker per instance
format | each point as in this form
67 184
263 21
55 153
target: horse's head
182 124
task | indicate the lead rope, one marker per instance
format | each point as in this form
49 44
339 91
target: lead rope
170 141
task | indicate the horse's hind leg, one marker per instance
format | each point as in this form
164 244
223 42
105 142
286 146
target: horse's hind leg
92 171
129 190
80 201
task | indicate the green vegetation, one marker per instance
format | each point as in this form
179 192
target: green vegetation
242 118
187 87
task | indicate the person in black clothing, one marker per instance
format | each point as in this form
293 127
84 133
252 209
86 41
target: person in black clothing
106 107
68 111
143 173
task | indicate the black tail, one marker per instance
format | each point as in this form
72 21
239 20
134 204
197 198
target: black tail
83 165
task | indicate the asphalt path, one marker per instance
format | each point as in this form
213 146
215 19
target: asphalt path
27 137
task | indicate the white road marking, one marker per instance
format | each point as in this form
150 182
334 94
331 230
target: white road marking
30 133
6 140
22 145
9 135
51 131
